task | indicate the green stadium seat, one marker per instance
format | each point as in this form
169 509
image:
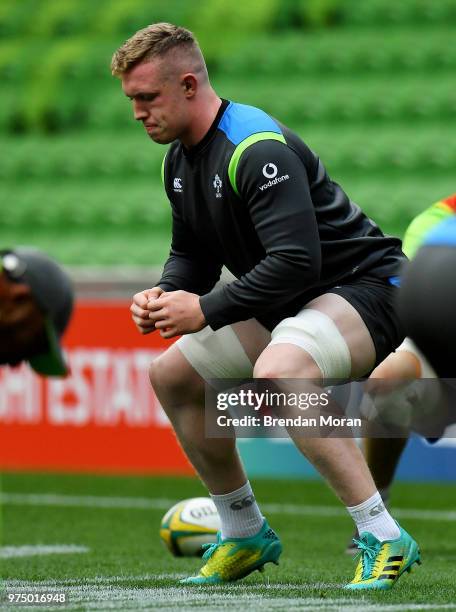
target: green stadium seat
370 89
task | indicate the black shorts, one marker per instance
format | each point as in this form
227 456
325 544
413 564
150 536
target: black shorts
375 300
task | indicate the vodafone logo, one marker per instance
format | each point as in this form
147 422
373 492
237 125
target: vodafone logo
270 170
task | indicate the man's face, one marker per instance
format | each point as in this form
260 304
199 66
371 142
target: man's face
159 101
22 332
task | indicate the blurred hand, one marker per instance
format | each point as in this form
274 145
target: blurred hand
139 311
176 313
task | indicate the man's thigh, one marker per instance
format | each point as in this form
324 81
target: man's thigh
375 299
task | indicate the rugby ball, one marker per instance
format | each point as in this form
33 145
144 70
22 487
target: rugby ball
188 525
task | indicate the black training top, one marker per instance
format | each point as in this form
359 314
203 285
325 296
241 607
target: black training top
253 197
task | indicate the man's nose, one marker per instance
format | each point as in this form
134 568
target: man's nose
139 111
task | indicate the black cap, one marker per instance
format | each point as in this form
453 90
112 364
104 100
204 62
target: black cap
53 292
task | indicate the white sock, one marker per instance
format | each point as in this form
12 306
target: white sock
372 516
239 513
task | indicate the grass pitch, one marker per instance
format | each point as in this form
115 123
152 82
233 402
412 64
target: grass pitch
96 540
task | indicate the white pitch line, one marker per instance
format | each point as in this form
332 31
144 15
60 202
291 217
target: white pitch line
144 503
9 552
107 580
85 501
115 580
104 592
178 598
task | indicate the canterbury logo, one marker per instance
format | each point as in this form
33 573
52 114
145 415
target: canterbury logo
243 503
377 510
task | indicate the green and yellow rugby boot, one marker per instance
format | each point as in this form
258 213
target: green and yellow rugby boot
382 563
235 558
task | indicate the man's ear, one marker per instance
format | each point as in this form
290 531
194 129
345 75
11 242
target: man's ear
189 85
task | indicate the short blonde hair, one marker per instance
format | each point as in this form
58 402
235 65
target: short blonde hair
156 40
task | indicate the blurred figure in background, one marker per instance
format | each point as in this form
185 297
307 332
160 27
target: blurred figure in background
427 302
36 302
429 316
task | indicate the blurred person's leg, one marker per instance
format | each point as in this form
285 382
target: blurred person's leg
383 454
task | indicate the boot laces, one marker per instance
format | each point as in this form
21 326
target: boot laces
368 554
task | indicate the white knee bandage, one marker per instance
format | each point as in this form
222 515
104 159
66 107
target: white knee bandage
216 354
318 335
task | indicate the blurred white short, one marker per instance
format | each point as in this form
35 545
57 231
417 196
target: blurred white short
426 370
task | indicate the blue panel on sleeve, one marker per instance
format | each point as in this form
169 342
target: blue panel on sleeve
444 234
395 280
240 121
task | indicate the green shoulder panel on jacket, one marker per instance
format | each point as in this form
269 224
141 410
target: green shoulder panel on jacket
242 146
163 168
